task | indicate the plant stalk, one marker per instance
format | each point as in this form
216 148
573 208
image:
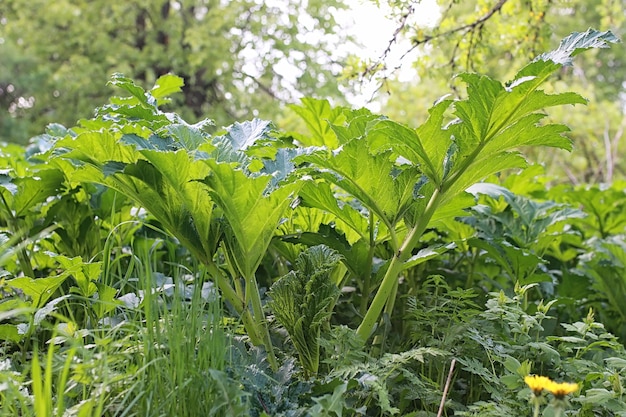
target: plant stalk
259 322
237 302
395 267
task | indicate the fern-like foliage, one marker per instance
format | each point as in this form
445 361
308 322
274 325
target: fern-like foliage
302 302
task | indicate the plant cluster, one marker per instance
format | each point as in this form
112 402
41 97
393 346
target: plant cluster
150 267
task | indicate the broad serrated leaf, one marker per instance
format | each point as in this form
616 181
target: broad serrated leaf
519 264
404 141
154 142
96 148
172 191
84 274
25 193
494 120
483 168
281 166
576 43
373 179
127 84
475 112
187 137
39 290
320 195
356 124
243 135
319 118
252 214
165 86
528 131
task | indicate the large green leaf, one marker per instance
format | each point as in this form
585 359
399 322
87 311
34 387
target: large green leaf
243 135
165 86
494 119
39 290
320 195
97 148
152 173
379 184
357 123
603 204
319 118
577 42
142 98
22 194
252 214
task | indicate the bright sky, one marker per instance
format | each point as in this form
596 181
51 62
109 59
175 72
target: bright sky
373 30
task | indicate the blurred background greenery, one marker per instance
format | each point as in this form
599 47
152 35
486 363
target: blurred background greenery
245 59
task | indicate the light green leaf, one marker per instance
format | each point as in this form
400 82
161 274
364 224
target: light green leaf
252 214
281 166
125 83
24 193
576 43
331 405
153 142
597 396
373 179
40 289
320 195
319 118
165 86
84 274
425 254
386 134
97 147
187 137
8 332
243 135
356 124
107 301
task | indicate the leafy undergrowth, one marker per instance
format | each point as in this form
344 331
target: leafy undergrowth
363 268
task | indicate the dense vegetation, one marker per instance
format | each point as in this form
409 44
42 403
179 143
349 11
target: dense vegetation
152 266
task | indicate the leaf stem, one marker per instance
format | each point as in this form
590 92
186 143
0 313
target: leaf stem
237 302
395 267
260 324
367 279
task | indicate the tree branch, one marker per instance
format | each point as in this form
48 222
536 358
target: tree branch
470 27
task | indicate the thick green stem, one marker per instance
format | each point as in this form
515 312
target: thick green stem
395 267
260 323
237 302
367 279
379 340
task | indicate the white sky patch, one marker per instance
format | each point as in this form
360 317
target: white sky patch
373 29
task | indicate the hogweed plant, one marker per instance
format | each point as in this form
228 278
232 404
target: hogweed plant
352 227
363 185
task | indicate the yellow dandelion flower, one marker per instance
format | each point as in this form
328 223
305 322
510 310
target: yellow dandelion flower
537 383
561 389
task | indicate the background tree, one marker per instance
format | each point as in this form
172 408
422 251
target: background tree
238 59
495 37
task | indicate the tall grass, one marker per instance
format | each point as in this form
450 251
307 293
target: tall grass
162 355
181 343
